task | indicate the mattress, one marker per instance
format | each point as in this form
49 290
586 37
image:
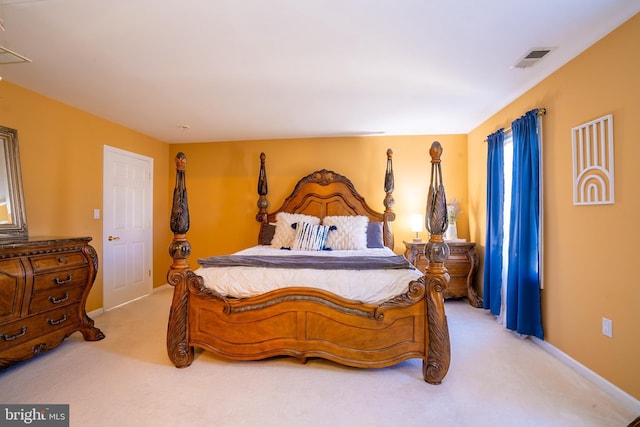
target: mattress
367 286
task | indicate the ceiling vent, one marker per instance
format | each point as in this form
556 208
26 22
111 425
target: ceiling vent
532 57
10 57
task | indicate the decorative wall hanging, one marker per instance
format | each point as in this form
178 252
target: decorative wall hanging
593 162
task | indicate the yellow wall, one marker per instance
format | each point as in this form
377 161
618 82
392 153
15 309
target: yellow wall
222 181
590 252
61 152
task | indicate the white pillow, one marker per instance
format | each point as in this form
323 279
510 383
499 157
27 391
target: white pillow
310 237
350 233
285 234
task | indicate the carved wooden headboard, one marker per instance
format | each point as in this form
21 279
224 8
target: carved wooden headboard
327 193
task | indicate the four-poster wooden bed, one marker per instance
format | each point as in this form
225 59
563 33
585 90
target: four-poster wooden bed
307 322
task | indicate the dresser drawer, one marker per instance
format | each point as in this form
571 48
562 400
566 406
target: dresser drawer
27 349
49 262
21 331
61 279
55 297
12 288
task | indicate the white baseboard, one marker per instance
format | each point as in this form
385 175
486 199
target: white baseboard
96 312
99 311
620 395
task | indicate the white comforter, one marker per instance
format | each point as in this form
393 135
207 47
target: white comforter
369 286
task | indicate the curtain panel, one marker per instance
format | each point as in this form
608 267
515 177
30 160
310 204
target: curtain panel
495 223
523 313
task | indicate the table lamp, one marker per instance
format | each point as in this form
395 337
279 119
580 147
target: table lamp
416 226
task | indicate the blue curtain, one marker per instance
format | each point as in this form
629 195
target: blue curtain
523 279
495 223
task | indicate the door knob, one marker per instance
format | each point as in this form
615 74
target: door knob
114 238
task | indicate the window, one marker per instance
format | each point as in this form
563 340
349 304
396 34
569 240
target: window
506 212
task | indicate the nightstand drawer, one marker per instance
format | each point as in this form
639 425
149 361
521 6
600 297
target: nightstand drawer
458 268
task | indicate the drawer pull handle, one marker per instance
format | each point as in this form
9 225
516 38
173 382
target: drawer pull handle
62 260
63 281
58 301
18 335
57 322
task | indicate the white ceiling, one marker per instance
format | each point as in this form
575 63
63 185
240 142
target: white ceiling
260 69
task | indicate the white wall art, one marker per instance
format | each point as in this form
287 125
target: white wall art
593 162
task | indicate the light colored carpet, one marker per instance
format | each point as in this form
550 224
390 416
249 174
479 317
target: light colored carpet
495 379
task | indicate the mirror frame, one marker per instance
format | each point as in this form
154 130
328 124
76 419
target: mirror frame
18 229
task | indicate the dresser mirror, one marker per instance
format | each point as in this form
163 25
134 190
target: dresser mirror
13 222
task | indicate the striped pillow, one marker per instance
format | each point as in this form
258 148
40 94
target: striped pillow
310 237
285 232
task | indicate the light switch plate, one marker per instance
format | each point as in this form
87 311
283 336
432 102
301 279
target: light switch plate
607 327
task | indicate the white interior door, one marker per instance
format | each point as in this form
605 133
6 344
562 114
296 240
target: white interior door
127 226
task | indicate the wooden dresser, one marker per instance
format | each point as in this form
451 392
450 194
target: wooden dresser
44 284
462 265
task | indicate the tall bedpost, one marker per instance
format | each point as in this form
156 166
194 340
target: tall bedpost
263 189
180 249
436 363
389 214
178 276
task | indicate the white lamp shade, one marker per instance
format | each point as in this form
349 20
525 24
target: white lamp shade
416 223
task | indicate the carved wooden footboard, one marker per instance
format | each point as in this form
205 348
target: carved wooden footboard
306 322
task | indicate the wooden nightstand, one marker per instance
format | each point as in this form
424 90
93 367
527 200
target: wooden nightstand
462 265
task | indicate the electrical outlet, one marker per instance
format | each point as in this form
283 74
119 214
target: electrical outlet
607 327
96 214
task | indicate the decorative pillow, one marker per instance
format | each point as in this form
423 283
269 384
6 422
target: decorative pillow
266 234
374 235
310 237
284 234
350 234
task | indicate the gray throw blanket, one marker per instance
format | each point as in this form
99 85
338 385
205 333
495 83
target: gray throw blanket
397 262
